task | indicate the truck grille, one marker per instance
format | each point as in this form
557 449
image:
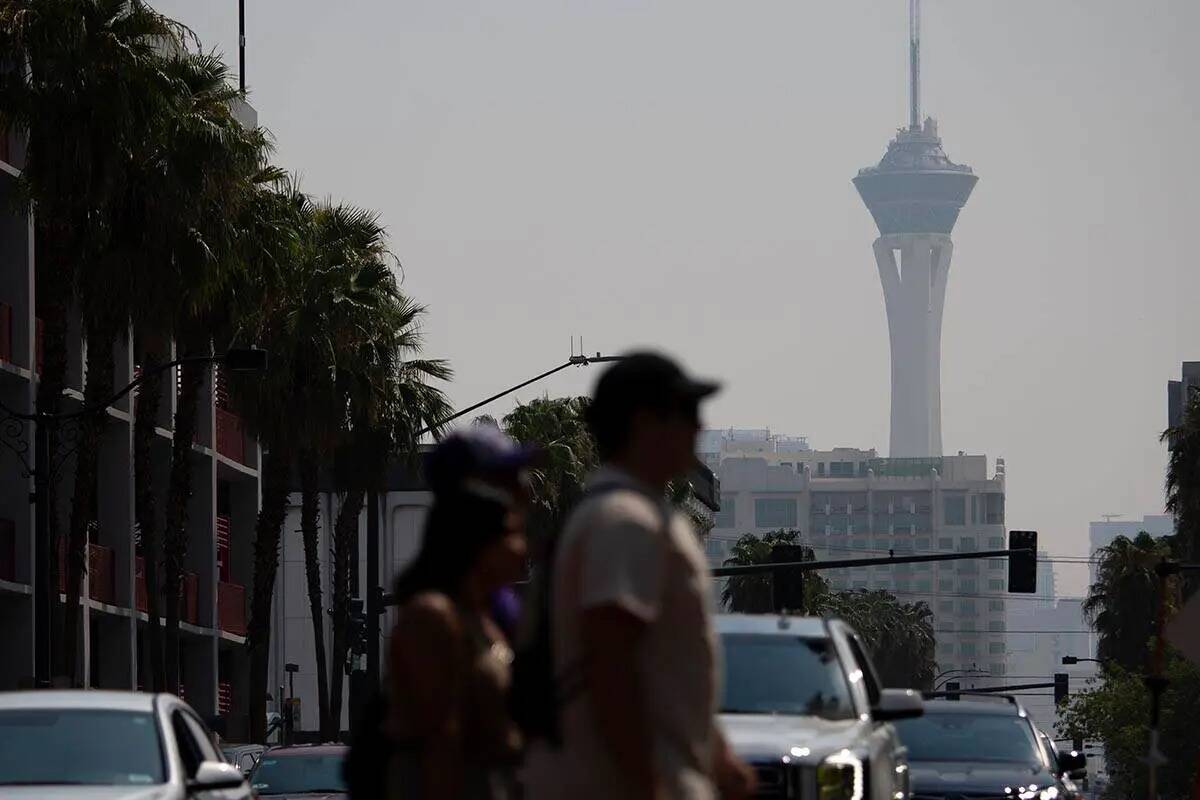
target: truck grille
785 781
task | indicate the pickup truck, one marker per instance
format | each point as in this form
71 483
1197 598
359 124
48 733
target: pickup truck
801 703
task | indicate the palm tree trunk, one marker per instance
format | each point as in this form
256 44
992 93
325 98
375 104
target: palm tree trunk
54 299
145 510
310 520
271 515
98 388
345 549
179 494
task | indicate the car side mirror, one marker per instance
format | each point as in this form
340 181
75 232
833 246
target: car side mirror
213 775
898 704
1072 761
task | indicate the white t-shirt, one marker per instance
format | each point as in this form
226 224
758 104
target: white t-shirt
616 550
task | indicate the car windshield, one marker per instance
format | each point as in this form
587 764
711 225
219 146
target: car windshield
44 746
970 737
774 674
294 774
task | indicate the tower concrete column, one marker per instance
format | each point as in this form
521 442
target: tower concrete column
913 268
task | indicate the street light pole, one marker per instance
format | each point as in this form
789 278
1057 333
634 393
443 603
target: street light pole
236 359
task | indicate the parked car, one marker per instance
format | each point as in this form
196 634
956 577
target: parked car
801 702
243 756
80 745
984 746
307 771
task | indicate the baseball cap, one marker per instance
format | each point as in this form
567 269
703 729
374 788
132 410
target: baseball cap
480 451
647 380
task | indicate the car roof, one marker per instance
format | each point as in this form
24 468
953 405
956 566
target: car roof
309 750
78 698
776 624
977 707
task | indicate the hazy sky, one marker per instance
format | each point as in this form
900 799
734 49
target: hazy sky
677 174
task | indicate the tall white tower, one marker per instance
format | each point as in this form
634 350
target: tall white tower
915 194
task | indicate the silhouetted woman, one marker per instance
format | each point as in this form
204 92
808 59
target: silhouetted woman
450 662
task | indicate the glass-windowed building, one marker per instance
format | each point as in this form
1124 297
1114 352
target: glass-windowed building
880 506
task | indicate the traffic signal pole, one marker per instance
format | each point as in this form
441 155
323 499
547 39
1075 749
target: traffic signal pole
842 563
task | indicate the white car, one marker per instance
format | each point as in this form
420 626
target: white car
101 745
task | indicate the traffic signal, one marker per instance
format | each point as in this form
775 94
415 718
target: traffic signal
1061 688
787 586
1022 565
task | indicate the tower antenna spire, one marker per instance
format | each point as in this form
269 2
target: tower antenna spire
914 64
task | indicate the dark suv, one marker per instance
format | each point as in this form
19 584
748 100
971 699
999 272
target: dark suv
305 771
983 747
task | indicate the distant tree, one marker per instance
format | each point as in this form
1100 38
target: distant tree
754 594
1122 603
1116 712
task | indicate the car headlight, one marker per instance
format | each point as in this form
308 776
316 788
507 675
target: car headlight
840 777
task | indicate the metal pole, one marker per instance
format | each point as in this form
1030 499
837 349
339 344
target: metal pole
374 595
242 45
43 599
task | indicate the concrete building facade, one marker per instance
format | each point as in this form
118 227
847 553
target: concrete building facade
221 511
881 505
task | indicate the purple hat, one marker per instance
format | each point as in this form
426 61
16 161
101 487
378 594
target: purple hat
481 451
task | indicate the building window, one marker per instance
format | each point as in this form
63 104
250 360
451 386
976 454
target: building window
968 585
994 508
841 469
883 544
966 607
967 648
945 543
996 668
945 625
902 585
774 512
714 547
995 605
996 625
995 585
945 606
996 648
995 564
820 469
946 585
922 544
727 516
946 648
995 542
974 510
966 543
858 544
955 509
923 586
921 566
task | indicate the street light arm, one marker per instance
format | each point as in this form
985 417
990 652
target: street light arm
573 361
92 409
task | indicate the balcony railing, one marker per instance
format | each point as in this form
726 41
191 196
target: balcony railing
231 442
231 607
6 331
223 565
102 579
224 698
39 345
8 550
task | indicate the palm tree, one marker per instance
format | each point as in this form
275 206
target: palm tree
557 426
898 636
1122 604
754 594
85 100
1183 483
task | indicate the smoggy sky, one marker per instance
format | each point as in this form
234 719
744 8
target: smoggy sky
677 174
